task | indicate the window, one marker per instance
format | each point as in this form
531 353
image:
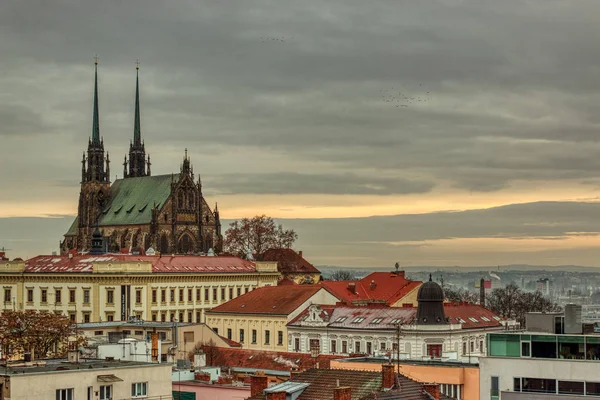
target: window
214 294
110 296
190 318
592 388
64 394
377 321
230 293
86 295
253 335
395 348
86 318
246 290
396 321
154 295
139 389
494 392
163 295
267 337
280 338
334 346
382 346
198 316
29 295
110 317
239 291
138 296
296 344
105 392
536 385
206 295
570 387
357 347
464 348
472 319
45 297
57 295
340 319
241 336
481 346
172 317
90 393
222 293
369 348
358 320
163 317
472 347
7 295
344 347
172 295
180 317
229 333
71 295
198 294
72 317
434 350
190 295
486 319
181 295
154 317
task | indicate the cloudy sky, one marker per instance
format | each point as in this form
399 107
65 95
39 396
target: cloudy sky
424 132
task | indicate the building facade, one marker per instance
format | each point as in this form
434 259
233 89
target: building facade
93 288
102 380
540 365
258 320
166 212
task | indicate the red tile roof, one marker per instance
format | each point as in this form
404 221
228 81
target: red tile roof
265 360
381 317
274 300
383 286
286 282
230 342
288 261
160 264
473 315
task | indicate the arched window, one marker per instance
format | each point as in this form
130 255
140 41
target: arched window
180 200
186 244
191 200
163 244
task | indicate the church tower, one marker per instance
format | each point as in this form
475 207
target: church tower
137 152
95 178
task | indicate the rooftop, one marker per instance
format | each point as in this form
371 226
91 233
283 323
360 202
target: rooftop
274 300
84 263
413 361
62 365
384 286
288 261
128 324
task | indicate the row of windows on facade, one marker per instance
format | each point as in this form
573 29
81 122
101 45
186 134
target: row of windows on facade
553 386
105 392
242 336
434 350
110 295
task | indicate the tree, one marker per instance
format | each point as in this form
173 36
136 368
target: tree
209 348
341 275
44 333
511 302
257 235
460 295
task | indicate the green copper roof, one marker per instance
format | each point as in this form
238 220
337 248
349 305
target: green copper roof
132 199
73 229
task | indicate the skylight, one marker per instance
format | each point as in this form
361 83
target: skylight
377 321
396 321
358 320
340 319
473 319
462 321
486 319
496 318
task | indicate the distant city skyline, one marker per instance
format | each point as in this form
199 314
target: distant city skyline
357 124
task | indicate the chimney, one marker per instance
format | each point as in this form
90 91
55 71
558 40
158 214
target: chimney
258 383
373 284
342 393
300 253
387 372
352 287
294 371
277 396
482 292
433 389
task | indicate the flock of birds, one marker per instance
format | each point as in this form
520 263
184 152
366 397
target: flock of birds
403 99
278 39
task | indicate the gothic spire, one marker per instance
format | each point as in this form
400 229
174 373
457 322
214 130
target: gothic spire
137 133
96 122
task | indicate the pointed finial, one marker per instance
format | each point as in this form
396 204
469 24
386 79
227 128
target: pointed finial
137 130
216 207
95 122
186 153
96 59
430 277
137 64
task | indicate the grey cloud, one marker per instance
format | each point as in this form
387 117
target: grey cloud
300 183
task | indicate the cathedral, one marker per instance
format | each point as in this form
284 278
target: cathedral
165 212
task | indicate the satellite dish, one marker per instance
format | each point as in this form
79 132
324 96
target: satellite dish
397 267
150 251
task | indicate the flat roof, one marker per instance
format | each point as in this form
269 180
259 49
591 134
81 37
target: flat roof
128 324
62 365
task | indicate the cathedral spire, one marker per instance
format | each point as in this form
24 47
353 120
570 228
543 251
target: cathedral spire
137 151
96 122
137 133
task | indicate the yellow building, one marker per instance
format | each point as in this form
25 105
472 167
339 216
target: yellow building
258 320
63 380
113 287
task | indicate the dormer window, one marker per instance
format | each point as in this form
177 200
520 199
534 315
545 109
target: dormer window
358 320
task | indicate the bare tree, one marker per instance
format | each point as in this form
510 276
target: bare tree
257 235
341 275
511 302
460 295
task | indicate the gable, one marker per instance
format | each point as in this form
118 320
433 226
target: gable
132 199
